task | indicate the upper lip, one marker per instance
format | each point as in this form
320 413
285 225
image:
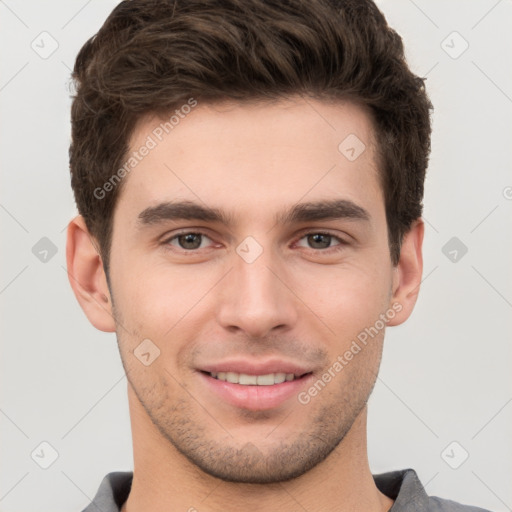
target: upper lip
257 368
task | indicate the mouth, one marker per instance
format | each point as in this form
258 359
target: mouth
255 392
244 379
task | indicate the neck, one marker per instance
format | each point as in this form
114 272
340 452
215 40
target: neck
163 479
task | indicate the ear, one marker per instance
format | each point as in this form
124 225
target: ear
407 274
87 276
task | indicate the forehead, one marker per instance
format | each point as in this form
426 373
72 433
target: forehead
250 157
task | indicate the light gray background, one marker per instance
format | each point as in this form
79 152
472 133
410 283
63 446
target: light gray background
445 374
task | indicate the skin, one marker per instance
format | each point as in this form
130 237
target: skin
296 301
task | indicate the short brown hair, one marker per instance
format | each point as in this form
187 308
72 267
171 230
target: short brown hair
151 56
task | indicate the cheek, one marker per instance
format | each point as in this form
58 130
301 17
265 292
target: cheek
347 299
154 298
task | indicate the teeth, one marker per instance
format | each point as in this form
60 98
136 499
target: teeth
279 377
232 377
247 380
266 380
253 380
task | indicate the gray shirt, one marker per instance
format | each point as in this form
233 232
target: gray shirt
402 486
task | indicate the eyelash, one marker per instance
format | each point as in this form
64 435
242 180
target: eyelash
328 250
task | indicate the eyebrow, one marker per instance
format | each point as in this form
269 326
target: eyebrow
302 212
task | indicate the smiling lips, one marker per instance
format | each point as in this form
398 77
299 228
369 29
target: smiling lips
245 379
255 386
249 373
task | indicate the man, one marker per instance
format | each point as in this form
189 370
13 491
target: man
249 177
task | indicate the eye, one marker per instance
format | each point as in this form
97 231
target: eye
188 241
320 240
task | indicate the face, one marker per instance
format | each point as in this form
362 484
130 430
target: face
249 241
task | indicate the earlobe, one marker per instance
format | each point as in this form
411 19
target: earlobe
87 276
408 273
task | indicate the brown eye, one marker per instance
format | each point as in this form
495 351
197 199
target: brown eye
188 241
321 241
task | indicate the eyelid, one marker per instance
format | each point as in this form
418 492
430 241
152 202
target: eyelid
342 241
166 239
201 231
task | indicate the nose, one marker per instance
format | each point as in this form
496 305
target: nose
255 298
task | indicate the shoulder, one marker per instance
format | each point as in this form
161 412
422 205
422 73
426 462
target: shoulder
408 493
436 504
112 492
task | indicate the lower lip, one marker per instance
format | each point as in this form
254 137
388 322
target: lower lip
255 398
